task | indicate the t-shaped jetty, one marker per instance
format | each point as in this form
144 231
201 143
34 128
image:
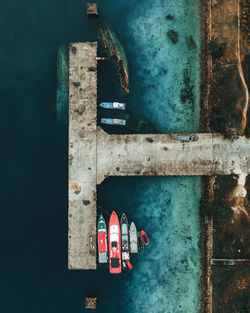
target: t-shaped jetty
95 155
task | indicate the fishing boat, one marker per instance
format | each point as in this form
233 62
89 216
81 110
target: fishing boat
133 238
113 105
113 121
144 237
102 240
124 239
115 257
187 138
135 123
140 242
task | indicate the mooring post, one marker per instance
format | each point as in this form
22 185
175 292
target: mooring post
92 10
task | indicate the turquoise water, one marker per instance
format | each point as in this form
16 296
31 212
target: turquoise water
34 276
166 274
156 65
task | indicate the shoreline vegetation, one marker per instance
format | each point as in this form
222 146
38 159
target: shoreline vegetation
224 206
224 75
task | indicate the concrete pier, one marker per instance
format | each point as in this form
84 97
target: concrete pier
82 156
95 155
163 155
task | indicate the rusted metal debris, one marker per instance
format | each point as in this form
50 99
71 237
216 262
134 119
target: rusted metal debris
91 303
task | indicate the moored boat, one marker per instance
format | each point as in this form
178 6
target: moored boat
114 245
102 240
140 242
144 237
129 265
113 105
187 138
133 238
124 238
136 124
113 121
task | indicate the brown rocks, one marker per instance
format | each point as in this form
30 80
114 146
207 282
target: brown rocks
173 35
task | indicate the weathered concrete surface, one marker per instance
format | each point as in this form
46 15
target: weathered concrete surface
95 155
82 156
231 157
163 155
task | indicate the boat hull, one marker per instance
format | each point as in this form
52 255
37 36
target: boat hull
124 237
113 121
115 264
116 53
144 238
113 105
133 238
102 241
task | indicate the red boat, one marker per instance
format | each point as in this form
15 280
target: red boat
129 264
144 237
115 255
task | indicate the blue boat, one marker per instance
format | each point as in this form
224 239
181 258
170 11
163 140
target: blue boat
113 121
113 105
187 138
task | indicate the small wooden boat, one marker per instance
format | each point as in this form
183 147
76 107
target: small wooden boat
144 237
113 121
113 105
129 264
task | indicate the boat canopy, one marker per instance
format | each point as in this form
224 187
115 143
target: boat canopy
124 228
118 105
114 237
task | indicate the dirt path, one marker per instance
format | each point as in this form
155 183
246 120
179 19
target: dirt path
245 109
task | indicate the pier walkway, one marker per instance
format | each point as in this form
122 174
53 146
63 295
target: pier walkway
95 155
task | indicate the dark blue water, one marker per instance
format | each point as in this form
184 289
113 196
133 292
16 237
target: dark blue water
34 274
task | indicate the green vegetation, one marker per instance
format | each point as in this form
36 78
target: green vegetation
216 50
219 210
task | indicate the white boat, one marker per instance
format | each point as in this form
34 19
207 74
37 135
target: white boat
113 121
133 238
113 105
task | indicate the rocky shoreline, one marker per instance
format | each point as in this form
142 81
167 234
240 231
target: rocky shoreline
206 181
